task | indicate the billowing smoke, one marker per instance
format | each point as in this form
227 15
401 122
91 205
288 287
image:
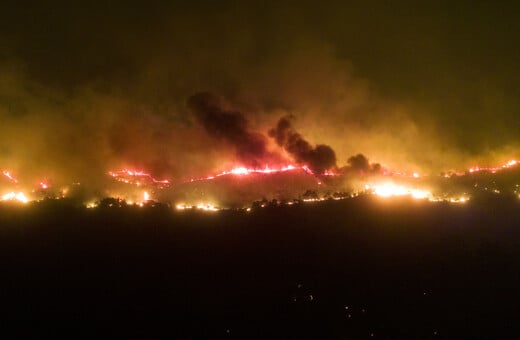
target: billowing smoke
232 127
360 165
318 158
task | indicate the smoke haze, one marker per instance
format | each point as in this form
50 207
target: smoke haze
86 88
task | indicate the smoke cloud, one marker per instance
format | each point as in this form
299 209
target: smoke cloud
360 165
232 127
319 158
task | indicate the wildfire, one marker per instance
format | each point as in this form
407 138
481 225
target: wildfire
401 184
200 206
137 177
243 171
13 196
91 205
458 199
390 190
328 173
10 177
510 164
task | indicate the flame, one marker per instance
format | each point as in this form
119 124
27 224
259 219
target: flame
459 200
247 171
244 171
200 206
329 173
141 177
390 190
10 177
12 196
398 173
240 171
495 169
137 177
91 205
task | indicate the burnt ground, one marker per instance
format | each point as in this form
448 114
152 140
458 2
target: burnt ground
351 269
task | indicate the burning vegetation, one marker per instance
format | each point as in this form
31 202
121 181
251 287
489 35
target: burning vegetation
359 177
278 165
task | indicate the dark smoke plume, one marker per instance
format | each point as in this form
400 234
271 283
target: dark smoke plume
318 158
232 127
360 165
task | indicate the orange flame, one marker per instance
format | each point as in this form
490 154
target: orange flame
10 177
243 171
510 164
13 196
135 177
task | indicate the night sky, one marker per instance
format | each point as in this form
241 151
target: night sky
85 88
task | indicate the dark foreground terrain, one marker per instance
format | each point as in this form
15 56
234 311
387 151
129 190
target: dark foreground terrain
352 269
